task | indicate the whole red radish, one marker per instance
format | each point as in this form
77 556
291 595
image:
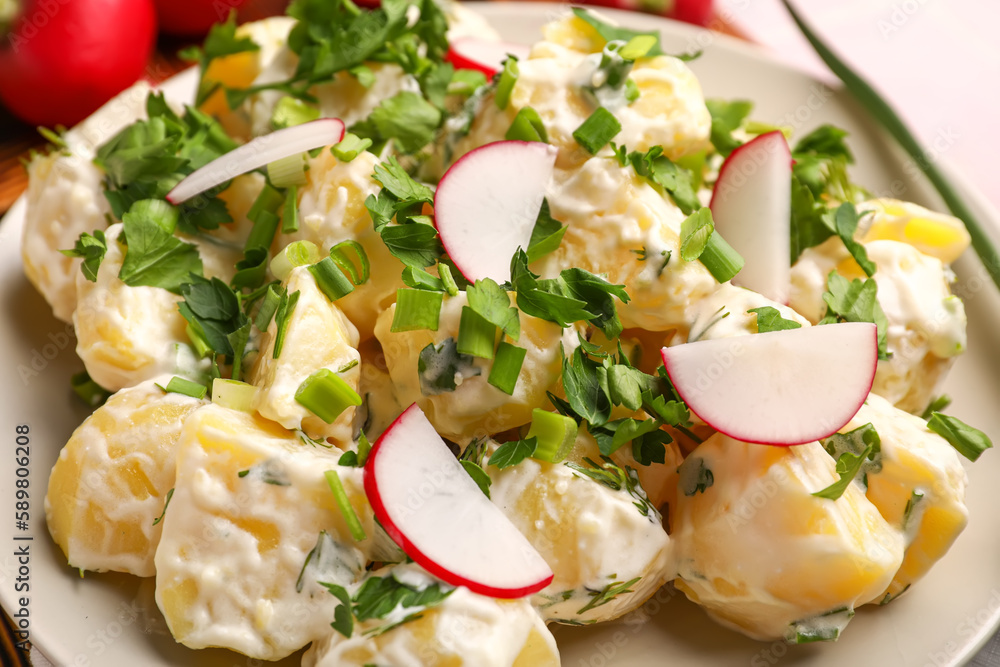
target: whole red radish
62 59
191 18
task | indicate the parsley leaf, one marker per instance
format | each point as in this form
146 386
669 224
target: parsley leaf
221 41
343 619
608 593
546 235
154 256
213 309
379 597
617 478
394 178
846 221
662 173
694 476
856 301
970 442
727 117
848 467
91 247
863 442
437 367
511 453
811 221
586 385
493 303
478 476
406 117
770 319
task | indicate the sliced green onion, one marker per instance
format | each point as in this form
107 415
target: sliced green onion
331 280
556 435
363 448
416 309
346 509
695 232
338 254
89 391
290 111
888 118
282 316
290 211
476 335
297 253
506 83
638 47
289 170
198 340
268 307
234 394
721 260
970 442
420 279
326 395
449 280
179 385
595 132
350 147
264 213
527 126
506 367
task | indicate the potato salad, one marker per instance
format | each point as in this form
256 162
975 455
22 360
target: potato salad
404 344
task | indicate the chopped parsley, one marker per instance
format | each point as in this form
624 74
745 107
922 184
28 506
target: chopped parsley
608 593
511 453
726 118
378 597
617 478
546 235
91 248
694 476
770 319
970 442
856 301
855 451
441 367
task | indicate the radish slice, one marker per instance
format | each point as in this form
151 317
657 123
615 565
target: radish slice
777 388
482 55
486 205
430 506
256 153
752 206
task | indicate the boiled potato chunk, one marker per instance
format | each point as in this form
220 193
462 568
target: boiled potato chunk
763 555
250 507
111 480
318 336
920 488
473 408
463 630
606 547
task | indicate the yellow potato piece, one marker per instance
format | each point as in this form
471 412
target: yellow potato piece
935 234
111 480
318 336
600 548
464 630
915 460
249 505
475 408
761 554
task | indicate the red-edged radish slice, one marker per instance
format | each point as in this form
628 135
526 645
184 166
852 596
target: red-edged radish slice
482 55
777 388
486 205
256 153
752 206
431 508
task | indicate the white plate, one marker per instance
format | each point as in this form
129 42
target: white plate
112 621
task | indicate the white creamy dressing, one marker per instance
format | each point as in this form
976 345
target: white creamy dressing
465 629
317 336
760 553
589 534
724 313
233 548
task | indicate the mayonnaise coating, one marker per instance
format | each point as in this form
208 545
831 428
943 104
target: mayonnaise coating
317 336
919 487
465 630
249 506
606 547
475 408
764 556
110 483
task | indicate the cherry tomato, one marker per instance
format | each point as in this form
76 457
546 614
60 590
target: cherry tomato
65 58
191 18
